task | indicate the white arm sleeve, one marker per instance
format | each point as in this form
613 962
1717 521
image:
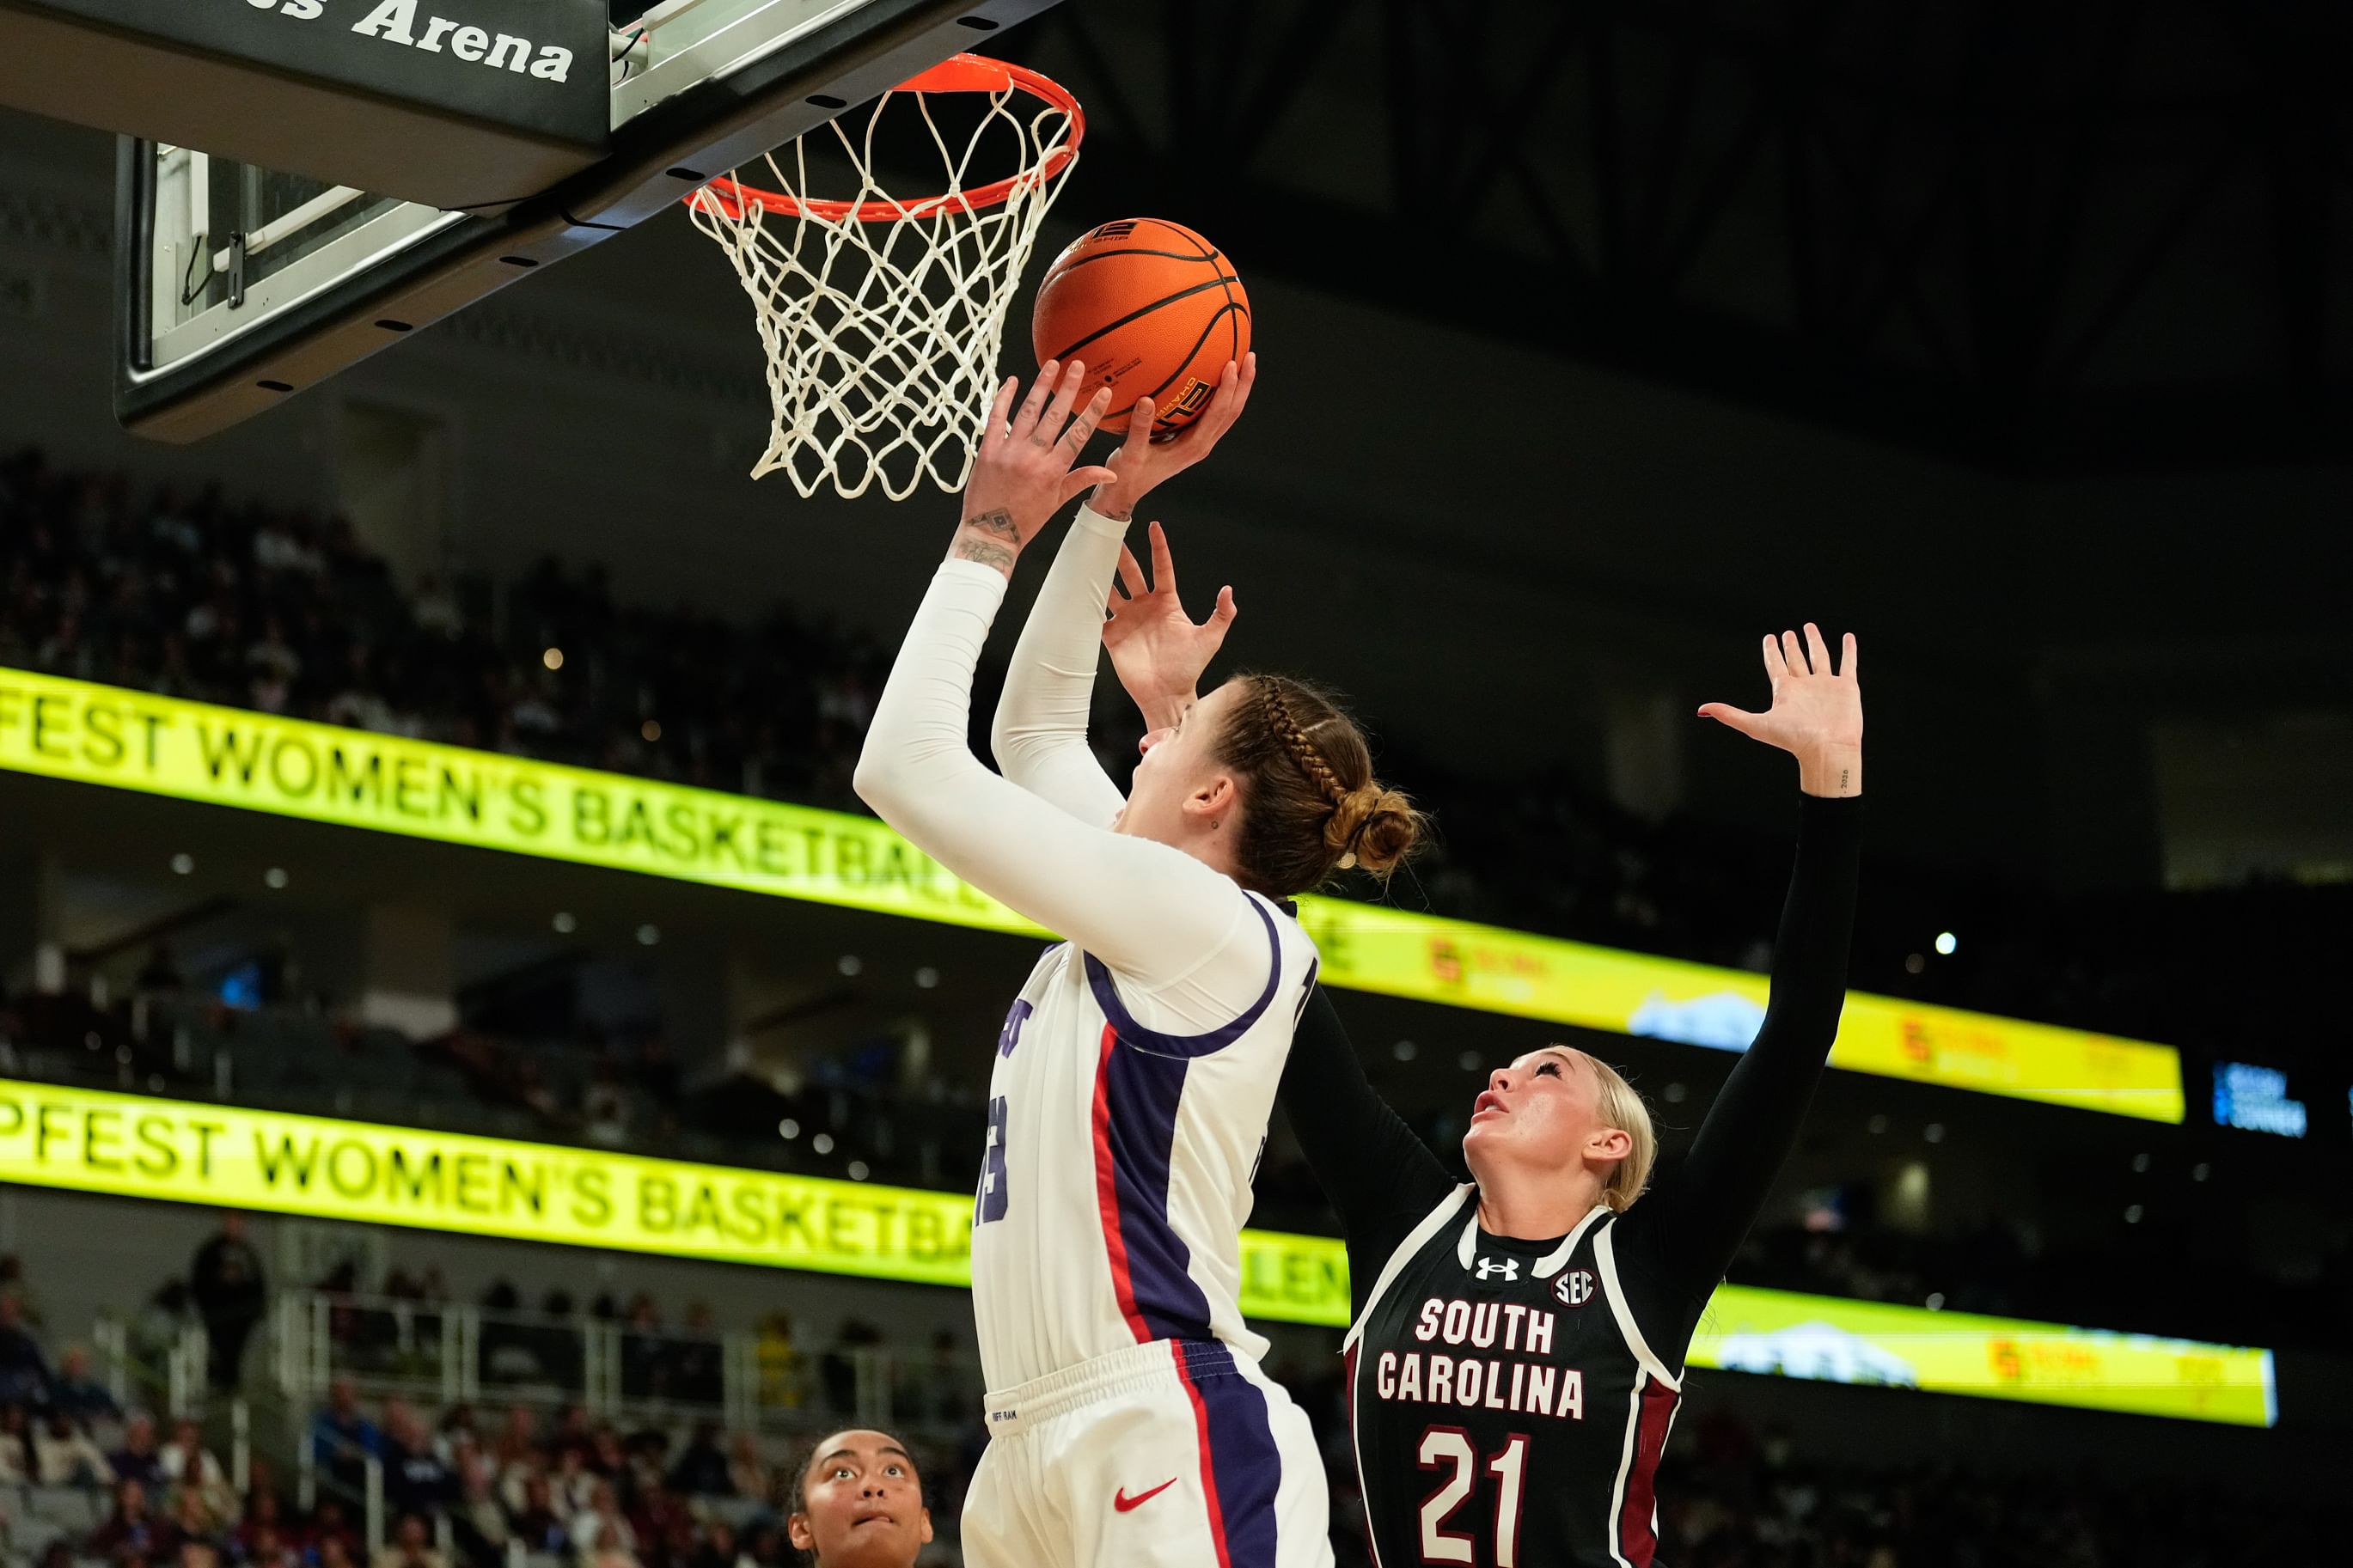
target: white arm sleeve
1041 734
1184 933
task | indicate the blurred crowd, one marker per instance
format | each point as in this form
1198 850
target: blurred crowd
191 592
1729 1498
658 1487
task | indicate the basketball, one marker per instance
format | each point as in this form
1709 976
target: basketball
1154 310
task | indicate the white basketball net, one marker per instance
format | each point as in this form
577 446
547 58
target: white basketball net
882 323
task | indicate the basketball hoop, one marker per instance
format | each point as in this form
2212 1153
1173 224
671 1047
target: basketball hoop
882 316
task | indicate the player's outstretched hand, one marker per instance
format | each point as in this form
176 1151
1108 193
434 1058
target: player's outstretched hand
1023 474
1159 650
1817 711
1141 463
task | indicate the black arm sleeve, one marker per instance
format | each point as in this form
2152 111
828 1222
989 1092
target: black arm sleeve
1378 1178
1675 1242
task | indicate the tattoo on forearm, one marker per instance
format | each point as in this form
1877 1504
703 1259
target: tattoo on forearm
998 522
985 553
1843 776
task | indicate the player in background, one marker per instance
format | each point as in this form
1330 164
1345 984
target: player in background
1518 1348
1129 1422
858 1503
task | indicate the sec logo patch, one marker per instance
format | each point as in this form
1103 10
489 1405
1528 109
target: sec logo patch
1574 1288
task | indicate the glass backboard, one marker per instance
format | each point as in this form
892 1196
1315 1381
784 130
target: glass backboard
239 287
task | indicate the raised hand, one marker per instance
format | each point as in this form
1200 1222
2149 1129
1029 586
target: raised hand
1023 474
1156 649
1817 711
1141 463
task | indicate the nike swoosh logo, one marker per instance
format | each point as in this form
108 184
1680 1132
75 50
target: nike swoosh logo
1123 1502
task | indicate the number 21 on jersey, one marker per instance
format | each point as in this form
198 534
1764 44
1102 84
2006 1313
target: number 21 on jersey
1448 1451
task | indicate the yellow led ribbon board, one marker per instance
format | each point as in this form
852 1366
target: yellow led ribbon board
322 1168
256 761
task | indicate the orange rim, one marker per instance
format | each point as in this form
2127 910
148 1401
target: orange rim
958 73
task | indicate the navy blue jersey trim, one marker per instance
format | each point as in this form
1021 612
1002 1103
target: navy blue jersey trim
1134 1034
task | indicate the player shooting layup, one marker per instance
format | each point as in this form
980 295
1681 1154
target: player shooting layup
1129 1421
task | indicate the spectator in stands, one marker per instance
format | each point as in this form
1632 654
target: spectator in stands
663 1523
607 1458
536 1521
601 1534
747 1468
24 1370
860 1504
411 1546
703 1469
195 1518
478 1523
572 1433
130 1533
262 1547
516 1447
188 1465
80 1395
333 1534
456 1433
231 1295
265 1527
64 1455
343 1439
716 1549
414 1479
138 1459
780 1363
16 1446
574 1485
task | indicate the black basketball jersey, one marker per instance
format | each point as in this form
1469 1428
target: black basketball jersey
1506 1411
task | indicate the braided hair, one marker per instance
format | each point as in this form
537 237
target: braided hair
1310 803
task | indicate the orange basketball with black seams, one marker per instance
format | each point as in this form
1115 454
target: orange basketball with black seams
1154 310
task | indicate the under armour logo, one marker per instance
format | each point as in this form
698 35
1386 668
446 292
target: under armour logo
1574 1288
1508 1268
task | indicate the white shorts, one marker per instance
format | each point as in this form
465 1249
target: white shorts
1176 1454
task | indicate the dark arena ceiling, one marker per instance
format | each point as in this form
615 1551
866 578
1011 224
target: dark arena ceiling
2111 235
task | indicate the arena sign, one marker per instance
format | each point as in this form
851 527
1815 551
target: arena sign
396 97
322 1168
325 1168
1781 1334
256 761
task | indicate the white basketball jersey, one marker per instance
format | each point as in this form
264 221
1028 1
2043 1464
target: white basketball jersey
1117 1175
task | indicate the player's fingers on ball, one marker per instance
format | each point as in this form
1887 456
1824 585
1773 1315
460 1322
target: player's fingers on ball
1818 652
1058 405
1025 419
1090 413
1140 416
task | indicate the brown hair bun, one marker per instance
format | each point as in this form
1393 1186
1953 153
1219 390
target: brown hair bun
1373 828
